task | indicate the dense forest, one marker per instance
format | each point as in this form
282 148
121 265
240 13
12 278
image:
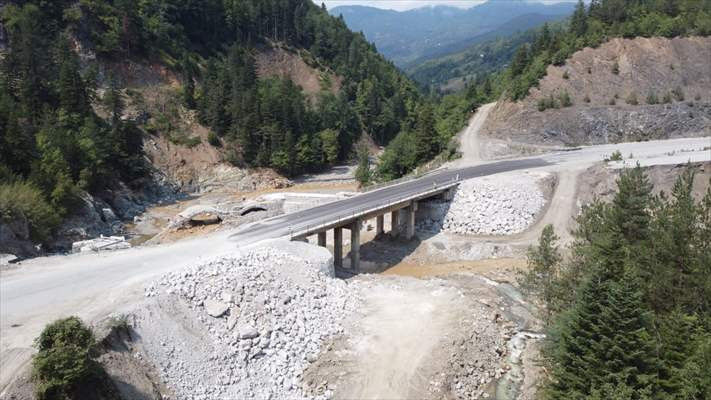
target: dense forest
628 308
61 114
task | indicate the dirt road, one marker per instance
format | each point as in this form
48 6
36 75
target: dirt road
469 137
402 329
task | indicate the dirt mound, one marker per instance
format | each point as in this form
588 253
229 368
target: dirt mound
603 83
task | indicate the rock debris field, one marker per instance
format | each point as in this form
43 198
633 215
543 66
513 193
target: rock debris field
499 205
244 327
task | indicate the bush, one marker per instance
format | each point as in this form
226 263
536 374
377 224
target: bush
213 139
64 362
565 100
586 99
667 98
547 102
616 68
612 101
632 99
652 98
678 94
565 75
23 200
616 156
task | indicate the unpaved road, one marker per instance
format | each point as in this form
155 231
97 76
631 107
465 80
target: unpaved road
401 331
469 137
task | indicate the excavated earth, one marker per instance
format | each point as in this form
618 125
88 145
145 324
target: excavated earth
646 66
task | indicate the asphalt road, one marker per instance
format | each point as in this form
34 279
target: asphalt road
285 224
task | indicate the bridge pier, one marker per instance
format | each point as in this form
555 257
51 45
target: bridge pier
322 239
338 247
394 222
355 246
379 224
409 228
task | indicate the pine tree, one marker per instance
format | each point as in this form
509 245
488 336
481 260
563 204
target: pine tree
425 134
543 265
578 22
603 343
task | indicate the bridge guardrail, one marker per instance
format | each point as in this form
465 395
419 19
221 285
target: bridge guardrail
310 229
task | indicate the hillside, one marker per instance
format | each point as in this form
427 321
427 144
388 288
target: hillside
426 32
485 54
109 106
625 90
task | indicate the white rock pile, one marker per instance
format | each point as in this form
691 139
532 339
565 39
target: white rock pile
243 327
488 206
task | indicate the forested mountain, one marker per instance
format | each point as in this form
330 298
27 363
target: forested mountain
485 54
61 110
426 32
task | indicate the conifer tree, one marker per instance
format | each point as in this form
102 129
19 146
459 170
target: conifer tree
603 345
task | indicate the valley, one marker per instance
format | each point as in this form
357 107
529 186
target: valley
278 199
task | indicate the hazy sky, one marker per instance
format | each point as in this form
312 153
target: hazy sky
408 4
400 4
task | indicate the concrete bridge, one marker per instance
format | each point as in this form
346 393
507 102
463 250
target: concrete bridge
402 223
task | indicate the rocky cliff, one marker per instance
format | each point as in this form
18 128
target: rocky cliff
625 90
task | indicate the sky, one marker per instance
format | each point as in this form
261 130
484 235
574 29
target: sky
401 5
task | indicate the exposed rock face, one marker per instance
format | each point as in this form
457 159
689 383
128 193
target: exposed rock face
674 68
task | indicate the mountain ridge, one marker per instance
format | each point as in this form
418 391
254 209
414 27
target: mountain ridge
420 30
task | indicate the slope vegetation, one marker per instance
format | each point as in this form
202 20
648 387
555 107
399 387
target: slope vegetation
627 89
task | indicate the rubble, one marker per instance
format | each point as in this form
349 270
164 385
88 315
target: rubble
249 324
101 243
486 206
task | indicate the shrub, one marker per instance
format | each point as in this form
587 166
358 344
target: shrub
667 98
213 139
565 100
565 75
678 94
547 102
612 102
616 156
697 97
64 362
616 68
586 99
632 99
652 98
589 70
19 199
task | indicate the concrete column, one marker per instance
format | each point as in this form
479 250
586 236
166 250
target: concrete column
338 247
322 239
394 222
355 246
409 230
379 224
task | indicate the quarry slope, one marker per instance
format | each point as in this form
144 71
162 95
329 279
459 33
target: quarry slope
610 88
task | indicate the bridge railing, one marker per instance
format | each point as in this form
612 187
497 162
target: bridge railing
304 231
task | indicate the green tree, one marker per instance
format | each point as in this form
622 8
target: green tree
603 344
363 173
542 275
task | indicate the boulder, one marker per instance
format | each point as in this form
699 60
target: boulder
6 259
215 308
101 243
247 331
